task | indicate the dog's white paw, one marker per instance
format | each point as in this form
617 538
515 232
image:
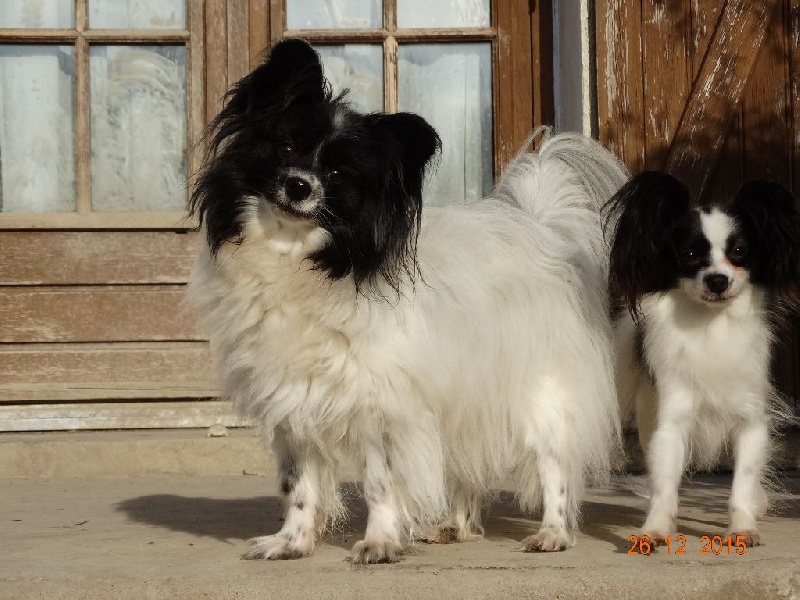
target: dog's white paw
547 540
750 537
280 546
374 551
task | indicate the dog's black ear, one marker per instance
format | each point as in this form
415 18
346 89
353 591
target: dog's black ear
404 145
645 210
290 74
411 144
768 212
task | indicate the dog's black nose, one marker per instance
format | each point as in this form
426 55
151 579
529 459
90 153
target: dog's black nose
296 188
717 283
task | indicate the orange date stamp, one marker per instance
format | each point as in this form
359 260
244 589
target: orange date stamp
711 545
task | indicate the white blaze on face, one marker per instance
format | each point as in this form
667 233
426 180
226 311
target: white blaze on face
717 228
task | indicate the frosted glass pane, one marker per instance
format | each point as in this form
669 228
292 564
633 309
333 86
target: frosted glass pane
36 14
334 14
137 14
443 13
37 129
451 86
138 103
359 68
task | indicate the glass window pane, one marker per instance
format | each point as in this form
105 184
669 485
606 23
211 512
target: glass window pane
137 14
138 104
443 13
359 68
333 14
451 86
36 15
37 129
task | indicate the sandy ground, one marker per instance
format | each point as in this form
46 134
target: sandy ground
181 537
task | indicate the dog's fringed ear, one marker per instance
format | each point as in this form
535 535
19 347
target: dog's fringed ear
412 143
291 73
406 143
769 212
645 210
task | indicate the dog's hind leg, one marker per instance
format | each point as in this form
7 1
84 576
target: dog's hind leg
464 523
304 477
750 443
559 486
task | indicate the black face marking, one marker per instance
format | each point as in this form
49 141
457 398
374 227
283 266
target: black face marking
300 506
737 249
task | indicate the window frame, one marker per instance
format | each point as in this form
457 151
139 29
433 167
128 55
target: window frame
80 37
521 36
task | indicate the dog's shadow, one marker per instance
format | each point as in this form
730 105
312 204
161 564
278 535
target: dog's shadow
234 520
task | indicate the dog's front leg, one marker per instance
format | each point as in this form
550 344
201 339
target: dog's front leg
750 444
301 473
383 539
666 460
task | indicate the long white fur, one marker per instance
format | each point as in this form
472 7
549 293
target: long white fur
495 363
707 387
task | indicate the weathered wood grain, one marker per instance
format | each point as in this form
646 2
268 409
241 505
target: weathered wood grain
717 91
216 56
149 415
620 97
95 314
106 364
95 257
513 50
667 76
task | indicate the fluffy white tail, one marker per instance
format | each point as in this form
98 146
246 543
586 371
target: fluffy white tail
565 185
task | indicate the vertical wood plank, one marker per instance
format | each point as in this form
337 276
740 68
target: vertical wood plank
667 77
717 91
513 103
238 40
620 112
768 143
216 47
259 20
727 177
83 123
765 104
195 92
543 99
794 80
277 20
390 86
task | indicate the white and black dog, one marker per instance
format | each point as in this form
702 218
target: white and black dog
438 352
702 285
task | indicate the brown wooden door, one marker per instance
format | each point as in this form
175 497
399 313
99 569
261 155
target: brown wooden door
709 90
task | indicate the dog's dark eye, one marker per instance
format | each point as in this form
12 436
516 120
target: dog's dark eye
688 256
334 176
286 151
737 254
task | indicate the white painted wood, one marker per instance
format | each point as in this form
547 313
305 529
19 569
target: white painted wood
60 417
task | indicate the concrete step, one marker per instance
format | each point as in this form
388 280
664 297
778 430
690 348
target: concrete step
134 453
140 453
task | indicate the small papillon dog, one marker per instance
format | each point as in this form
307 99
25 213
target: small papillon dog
703 285
438 353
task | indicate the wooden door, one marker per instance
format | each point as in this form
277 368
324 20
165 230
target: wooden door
708 90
